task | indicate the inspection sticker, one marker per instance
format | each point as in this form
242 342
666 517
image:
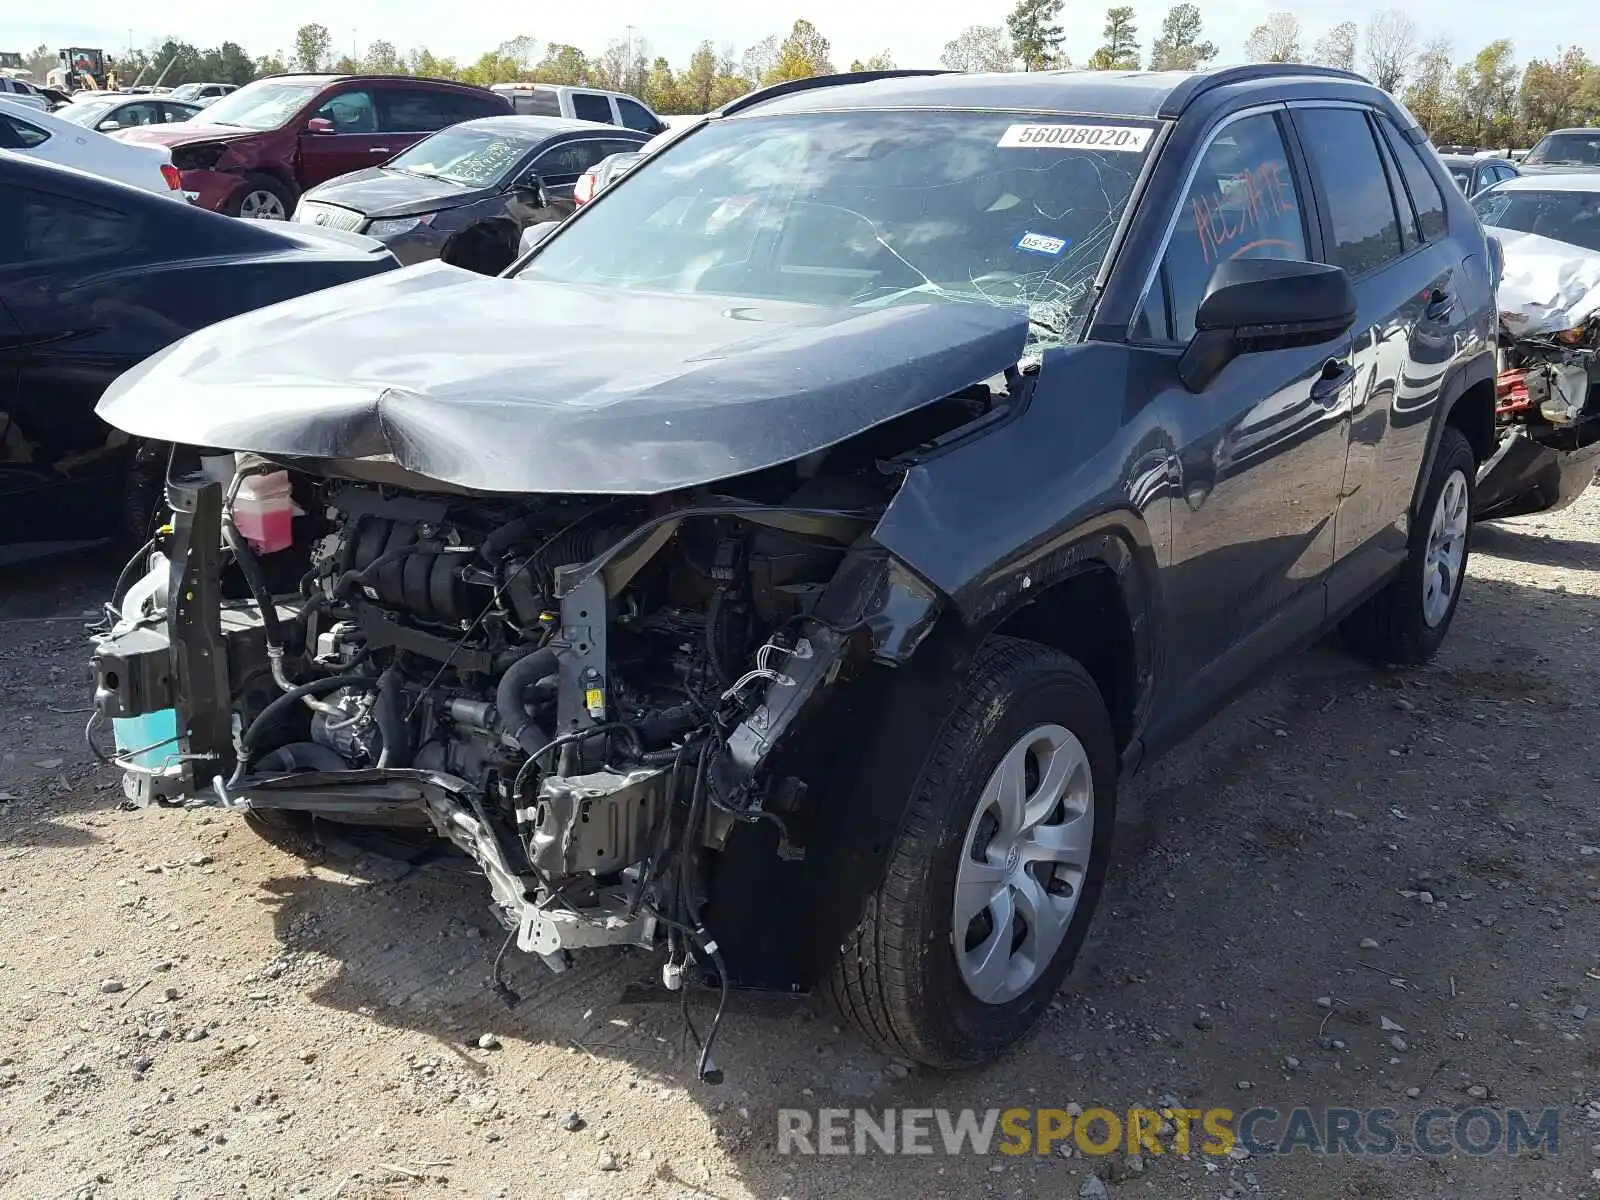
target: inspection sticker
1041 243
1129 139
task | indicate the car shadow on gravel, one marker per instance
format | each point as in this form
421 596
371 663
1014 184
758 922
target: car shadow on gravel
1528 546
1278 857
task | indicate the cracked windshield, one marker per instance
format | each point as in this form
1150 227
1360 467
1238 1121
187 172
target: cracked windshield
870 209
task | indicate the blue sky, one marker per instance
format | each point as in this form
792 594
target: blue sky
914 32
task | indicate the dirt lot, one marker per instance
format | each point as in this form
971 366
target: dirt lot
189 1011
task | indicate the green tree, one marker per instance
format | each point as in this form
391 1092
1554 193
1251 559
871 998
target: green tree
804 53
878 62
1120 51
313 47
661 90
382 58
270 64
1277 39
980 48
41 62
699 82
760 60
1036 34
562 63
1337 47
425 62
1488 91
1179 47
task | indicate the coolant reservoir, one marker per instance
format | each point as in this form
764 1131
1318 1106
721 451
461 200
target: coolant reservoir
263 512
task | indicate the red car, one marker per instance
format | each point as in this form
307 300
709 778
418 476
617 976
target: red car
252 153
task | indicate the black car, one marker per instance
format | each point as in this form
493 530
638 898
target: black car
95 277
1473 173
465 194
780 564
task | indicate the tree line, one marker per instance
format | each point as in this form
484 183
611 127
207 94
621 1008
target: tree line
1488 99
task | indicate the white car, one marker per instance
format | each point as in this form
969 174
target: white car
112 112
47 137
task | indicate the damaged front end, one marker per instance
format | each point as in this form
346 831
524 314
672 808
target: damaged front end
617 705
1547 388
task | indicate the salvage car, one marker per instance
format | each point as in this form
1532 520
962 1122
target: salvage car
781 563
1475 172
48 138
253 152
1561 151
465 195
109 113
1548 408
95 277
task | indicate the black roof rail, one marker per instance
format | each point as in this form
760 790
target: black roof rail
761 95
1198 84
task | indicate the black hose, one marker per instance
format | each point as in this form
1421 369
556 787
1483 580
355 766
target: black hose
250 566
514 716
130 573
283 703
302 756
391 722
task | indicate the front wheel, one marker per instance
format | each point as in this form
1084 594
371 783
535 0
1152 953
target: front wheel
1406 623
263 198
993 877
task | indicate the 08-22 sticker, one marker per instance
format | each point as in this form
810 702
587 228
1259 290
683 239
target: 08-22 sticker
1126 139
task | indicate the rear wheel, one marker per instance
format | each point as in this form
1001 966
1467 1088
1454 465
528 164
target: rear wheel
993 877
263 198
1406 623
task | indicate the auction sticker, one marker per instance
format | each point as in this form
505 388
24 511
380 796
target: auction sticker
1130 139
1042 243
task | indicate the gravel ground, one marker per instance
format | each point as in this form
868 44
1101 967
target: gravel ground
187 1010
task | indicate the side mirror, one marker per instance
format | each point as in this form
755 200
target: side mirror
1257 304
533 235
533 187
319 125
108 126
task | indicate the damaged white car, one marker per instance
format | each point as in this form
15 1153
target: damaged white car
1547 398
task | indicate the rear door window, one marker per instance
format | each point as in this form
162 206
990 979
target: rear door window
589 106
415 110
1365 233
1243 203
637 116
570 159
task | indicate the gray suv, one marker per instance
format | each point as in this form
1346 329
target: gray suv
780 566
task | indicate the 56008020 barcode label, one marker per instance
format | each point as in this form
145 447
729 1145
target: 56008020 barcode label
1130 139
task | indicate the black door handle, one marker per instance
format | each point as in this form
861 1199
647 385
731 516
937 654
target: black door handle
1335 374
1439 305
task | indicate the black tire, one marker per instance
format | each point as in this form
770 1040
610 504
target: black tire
143 498
266 183
897 977
1392 627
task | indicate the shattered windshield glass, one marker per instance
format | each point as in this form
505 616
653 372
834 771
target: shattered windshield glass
869 208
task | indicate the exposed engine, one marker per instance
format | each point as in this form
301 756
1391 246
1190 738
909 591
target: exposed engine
1547 413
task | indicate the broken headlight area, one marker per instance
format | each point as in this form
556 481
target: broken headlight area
1547 414
593 697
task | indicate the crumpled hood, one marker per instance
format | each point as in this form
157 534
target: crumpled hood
508 386
1548 285
381 193
182 133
